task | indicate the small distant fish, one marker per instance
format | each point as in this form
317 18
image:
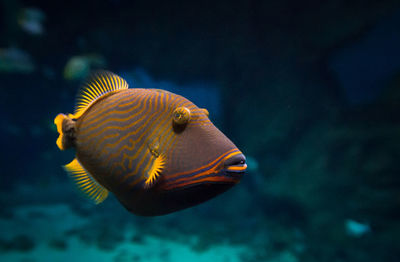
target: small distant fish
79 67
155 150
31 20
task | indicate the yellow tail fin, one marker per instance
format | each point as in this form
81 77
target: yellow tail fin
66 129
58 122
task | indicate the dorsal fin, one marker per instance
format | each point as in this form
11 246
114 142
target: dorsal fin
97 85
85 182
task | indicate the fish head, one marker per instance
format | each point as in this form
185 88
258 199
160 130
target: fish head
201 158
193 161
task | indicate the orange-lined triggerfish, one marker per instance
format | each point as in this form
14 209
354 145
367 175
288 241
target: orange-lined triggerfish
155 150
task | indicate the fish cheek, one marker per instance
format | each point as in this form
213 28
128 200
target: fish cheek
193 148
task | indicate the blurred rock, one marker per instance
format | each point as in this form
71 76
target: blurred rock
345 167
58 244
361 67
21 243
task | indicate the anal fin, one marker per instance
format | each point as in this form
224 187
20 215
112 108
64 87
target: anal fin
85 182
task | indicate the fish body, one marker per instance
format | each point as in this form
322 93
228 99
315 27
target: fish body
155 150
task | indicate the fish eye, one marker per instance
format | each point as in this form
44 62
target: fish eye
181 116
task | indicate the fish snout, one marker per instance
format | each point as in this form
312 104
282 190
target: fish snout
235 165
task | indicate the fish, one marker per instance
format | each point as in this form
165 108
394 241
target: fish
31 20
79 67
154 150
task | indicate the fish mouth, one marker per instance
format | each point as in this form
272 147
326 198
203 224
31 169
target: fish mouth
235 166
228 170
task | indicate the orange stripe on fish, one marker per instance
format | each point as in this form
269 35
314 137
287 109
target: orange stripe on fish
207 170
202 167
237 168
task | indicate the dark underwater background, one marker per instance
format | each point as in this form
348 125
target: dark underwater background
308 90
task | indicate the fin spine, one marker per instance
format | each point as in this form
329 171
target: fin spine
98 84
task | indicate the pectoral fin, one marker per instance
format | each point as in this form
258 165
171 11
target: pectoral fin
155 170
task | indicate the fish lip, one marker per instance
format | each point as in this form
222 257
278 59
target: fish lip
235 166
236 171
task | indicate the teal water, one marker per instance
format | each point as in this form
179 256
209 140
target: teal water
309 91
